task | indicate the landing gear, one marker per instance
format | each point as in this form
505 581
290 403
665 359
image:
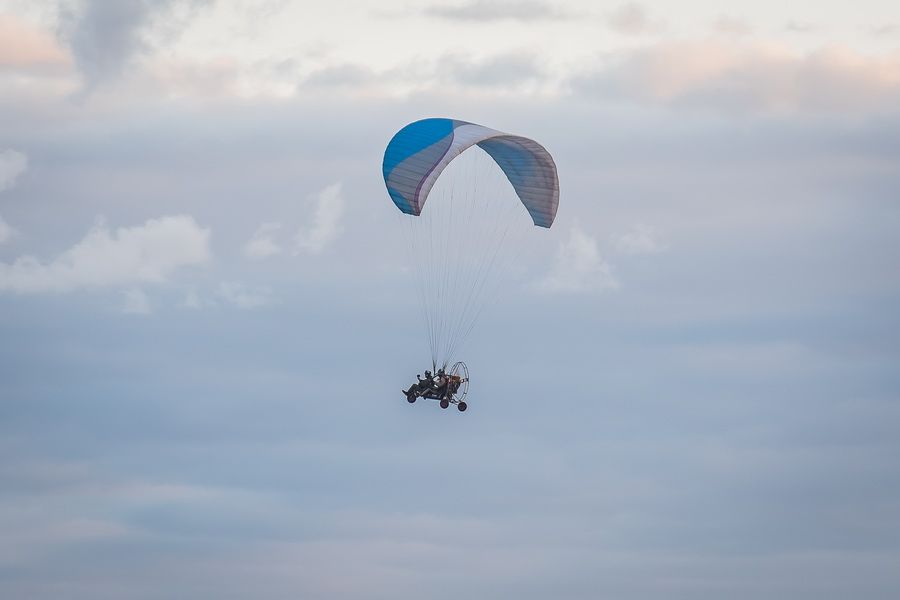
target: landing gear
445 403
462 406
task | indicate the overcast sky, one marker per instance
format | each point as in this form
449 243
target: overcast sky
689 389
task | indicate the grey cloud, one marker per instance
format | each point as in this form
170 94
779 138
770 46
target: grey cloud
496 10
105 37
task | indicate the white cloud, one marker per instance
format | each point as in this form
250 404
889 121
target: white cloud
136 302
263 244
148 253
579 268
243 296
12 164
6 231
326 226
642 239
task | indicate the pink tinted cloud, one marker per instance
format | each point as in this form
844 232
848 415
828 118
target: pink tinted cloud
754 76
24 46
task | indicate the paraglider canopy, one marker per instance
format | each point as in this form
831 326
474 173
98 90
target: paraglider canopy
465 241
418 154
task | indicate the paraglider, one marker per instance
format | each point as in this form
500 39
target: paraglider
455 262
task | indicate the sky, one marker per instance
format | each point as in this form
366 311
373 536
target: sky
688 388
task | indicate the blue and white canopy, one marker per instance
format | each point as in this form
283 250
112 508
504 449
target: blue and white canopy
419 152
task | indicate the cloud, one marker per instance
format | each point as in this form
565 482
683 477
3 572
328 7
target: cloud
148 253
326 225
631 19
799 27
232 293
262 244
487 10
23 46
503 70
6 231
579 268
192 300
12 164
639 241
347 74
136 302
105 37
749 77
511 72
245 297
211 78
888 29
732 26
